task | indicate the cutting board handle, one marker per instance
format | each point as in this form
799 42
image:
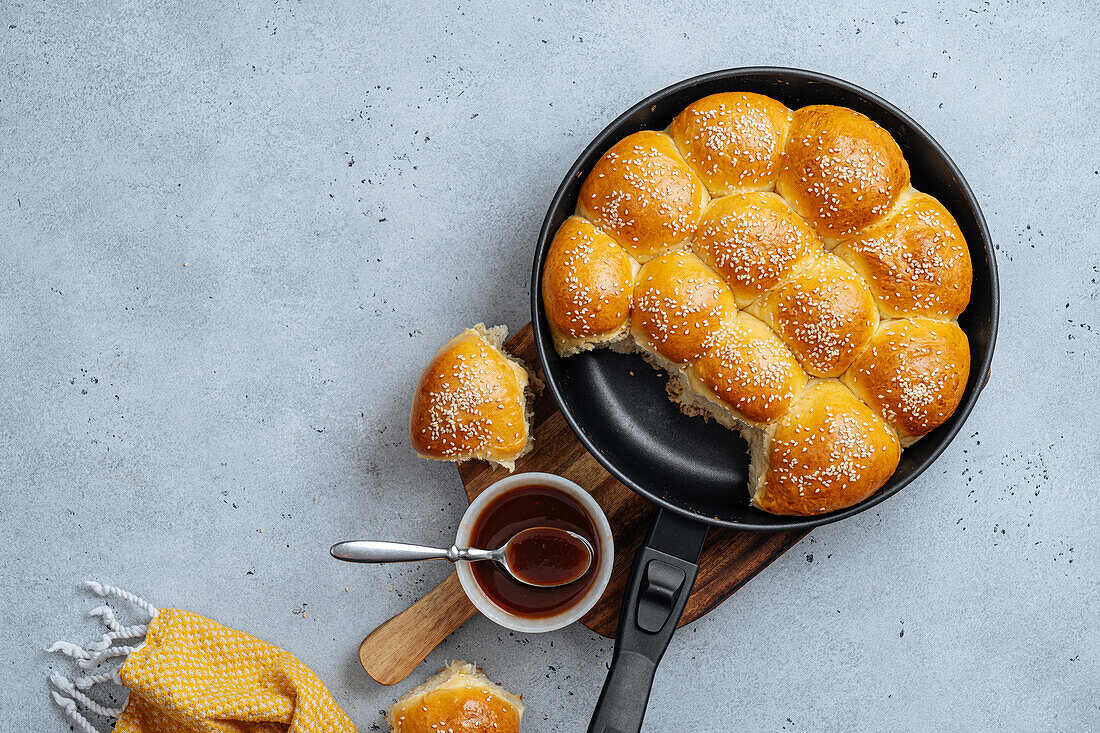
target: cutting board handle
391 652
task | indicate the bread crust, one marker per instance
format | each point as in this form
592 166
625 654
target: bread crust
913 373
733 140
753 241
824 313
643 194
587 287
841 171
828 452
458 699
747 369
678 302
916 261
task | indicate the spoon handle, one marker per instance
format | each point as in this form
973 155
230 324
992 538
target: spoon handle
376 551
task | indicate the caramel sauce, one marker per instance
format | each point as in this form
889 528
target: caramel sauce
521 508
547 556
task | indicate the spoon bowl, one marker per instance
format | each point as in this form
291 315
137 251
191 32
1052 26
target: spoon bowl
546 557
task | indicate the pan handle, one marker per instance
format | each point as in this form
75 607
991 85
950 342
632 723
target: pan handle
660 583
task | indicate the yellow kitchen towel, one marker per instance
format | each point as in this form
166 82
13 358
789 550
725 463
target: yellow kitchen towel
191 675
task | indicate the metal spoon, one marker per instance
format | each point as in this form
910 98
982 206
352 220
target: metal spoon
374 551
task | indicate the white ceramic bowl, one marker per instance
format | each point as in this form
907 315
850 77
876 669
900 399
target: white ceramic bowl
604 561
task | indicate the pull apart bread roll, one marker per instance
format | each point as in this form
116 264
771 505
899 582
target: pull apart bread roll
841 171
825 313
678 304
472 402
587 285
644 195
753 241
733 141
459 699
745 371
913 373
916 262
829 452
810 304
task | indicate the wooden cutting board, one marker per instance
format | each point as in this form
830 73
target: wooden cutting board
730 558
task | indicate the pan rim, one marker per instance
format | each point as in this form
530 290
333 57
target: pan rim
980 377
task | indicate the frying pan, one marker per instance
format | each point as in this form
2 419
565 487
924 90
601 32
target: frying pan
696 471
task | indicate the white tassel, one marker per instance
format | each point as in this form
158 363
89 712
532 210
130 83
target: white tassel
124 632
107 616
85 683
69 706
66 685
95 654
110 590
100 657
70 650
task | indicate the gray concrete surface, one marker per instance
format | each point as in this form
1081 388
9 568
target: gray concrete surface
230 235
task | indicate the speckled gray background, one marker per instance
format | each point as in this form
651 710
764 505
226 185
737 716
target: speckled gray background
231 236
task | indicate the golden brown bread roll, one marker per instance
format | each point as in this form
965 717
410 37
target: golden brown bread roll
587 285
913 372
746 369
678 302
471 401
754 241
733 140
458 699
828 452
841 171
824 312
916 261
643 194
843 241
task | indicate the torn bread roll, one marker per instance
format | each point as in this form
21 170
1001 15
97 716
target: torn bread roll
746 369
458 699
587 286
473 401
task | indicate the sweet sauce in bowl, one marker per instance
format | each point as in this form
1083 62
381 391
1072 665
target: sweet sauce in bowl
517 509
520 502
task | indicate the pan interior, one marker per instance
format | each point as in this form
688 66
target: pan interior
620 402
617 403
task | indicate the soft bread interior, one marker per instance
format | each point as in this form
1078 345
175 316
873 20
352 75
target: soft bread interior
693 399
569 345
757 439
532 385
687 393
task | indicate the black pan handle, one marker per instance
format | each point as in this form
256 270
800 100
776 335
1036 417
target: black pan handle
660 582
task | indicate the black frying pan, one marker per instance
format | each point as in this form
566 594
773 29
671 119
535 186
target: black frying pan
696 471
